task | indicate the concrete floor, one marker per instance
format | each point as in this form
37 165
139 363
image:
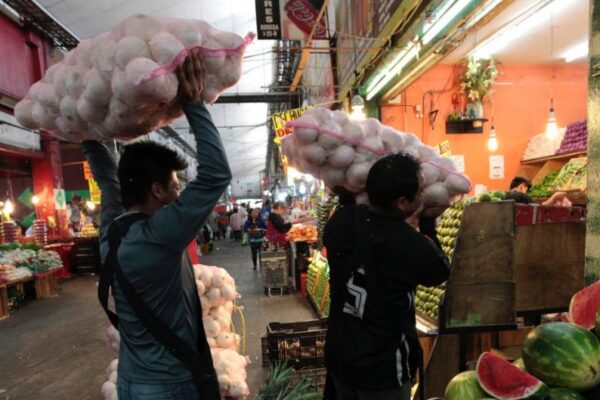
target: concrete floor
56 349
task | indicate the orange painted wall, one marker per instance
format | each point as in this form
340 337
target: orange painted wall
520 107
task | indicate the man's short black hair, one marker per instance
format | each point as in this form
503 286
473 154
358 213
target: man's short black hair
519 180
392 177
142 164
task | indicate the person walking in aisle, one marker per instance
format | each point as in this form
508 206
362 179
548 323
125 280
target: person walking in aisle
376 261
214 226
223 222
145 247
236 222
255 228
243 212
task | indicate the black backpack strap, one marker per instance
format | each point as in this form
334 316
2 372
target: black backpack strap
117 228
200 365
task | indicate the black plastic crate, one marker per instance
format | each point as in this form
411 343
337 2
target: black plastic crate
299 344
315 376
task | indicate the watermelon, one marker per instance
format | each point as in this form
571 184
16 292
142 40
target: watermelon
563 394
504 381
597 329
464 386
585 305
563 355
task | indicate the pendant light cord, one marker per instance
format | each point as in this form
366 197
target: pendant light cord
552 59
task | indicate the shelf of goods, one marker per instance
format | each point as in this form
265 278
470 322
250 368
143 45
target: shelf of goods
509 263
568 161
317 285
22 264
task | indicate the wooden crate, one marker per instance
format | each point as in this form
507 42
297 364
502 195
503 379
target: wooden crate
481 290
46 285
548 265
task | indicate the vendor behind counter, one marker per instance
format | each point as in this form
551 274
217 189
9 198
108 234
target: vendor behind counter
278 227
519 187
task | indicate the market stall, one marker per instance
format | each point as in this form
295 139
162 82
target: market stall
24 267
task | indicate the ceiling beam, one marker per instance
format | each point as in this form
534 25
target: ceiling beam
268 97
306 50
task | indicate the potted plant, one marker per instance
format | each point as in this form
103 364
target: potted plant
476 84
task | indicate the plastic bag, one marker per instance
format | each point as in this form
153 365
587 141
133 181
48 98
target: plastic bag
340 151
121 83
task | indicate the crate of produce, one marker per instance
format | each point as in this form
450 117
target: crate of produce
274 270
300 344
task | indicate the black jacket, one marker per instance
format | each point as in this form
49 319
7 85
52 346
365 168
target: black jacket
371 340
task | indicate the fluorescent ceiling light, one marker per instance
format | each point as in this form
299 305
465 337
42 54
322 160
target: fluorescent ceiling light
407 56
383 73
524 23
580 50
482 13
410 54
447 15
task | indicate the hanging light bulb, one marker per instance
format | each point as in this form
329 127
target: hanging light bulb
9 208
492 143
551 125
358 105
35 200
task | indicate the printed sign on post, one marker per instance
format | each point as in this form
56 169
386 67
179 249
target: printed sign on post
444 148
497 167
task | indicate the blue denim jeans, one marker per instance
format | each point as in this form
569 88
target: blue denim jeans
128 390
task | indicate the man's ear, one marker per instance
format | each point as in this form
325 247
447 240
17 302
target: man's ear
400 203
156 190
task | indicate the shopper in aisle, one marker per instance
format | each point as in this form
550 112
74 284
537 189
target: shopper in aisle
376 261
519 187
153 270
214 226
243 210
255 228
223 222
235 222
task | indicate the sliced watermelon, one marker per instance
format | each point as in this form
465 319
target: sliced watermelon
504 381
584 306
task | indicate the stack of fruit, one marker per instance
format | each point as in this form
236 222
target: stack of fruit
495 195
561 361
317 283
567 172
324 211
447 231
428 300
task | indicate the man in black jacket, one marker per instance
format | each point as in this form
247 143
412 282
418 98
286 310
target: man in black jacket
376 261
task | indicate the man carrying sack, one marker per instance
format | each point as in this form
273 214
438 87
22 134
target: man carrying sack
163 353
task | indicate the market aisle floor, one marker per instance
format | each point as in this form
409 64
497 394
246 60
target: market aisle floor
56 349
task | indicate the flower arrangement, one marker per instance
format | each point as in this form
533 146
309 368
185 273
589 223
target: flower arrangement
479 76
